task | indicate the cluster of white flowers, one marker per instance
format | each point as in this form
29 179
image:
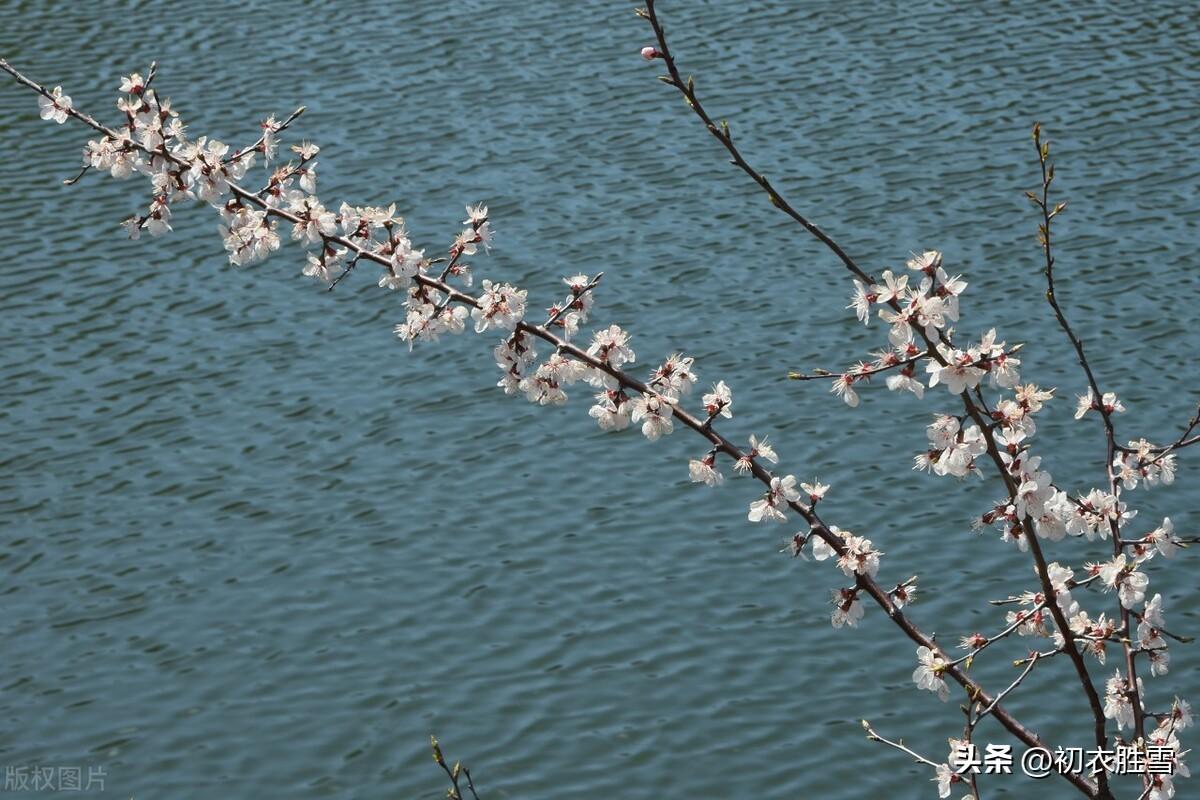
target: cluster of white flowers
1167 735
57 107
1118 700
655 412
1122 574
847 610
772 505
575 310
250 235
928 674
1108 403
718 402
1139 463
952 448
926 306
500 306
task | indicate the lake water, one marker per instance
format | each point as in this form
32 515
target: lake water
250 547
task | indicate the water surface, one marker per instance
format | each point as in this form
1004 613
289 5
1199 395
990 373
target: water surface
252 546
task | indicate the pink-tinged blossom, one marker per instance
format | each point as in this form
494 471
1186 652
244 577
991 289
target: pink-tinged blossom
316 222
133 227
904 594
248 234
55 107
467 242
958 373
544 386
1109 403
892 289
1122 575
158 218
513 356
325 264
842 388
1181 714
1163 538
815 491
1033 493
861 301
928 313
928 674
771 506
927 262
859 556
718 402
405 264
759 448
705 471
952 450
207 177
903 380
1051 522
427 321
674 377
946 289
612 410
654 411
847 610
1152 613
1117 705
132 84
611 346
1151 641
649 53
1144 464
945 777
476 215
823 549
501 305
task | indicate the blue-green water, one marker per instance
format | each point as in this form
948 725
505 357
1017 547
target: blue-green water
253 548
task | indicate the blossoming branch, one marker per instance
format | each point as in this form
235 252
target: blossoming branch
917 304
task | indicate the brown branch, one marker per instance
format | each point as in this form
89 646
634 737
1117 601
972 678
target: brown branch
875 737
280 128
1042 201
864 583
687 89
722 135
1033 659
454 773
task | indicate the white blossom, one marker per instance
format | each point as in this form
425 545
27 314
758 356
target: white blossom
1117 705
928 674
847 610
718 402
772 504
759 448
674 377
248 234
56 106
611 346
859 556
1123 576
958 374
654 411
705 471
612 410
501 305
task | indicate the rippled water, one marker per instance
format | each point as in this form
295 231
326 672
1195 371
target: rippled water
251 546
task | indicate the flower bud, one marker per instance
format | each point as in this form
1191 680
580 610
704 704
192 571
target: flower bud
649 53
